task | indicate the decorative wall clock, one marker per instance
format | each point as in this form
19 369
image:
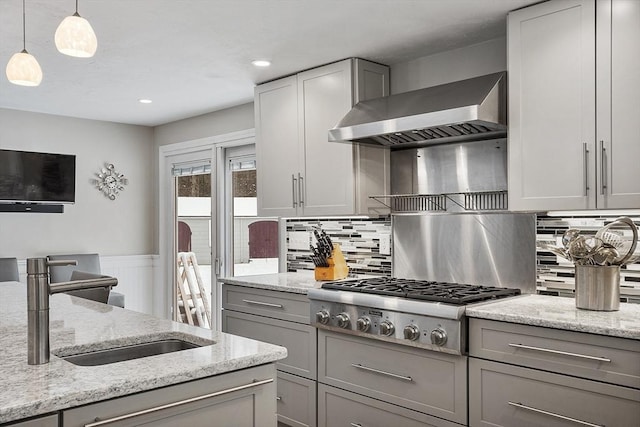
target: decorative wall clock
110 182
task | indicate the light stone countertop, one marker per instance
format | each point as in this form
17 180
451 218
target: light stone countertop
299 282
561 313
79 323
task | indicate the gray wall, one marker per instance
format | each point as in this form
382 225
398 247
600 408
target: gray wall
445 67
94 223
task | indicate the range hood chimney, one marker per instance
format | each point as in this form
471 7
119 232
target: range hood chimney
467 110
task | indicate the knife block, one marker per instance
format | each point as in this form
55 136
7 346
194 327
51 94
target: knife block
337 269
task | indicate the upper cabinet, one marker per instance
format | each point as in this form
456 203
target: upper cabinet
299 171
571 138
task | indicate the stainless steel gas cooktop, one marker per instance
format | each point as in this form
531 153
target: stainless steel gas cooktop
417 313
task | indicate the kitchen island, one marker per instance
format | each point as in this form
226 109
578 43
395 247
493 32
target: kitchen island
80 325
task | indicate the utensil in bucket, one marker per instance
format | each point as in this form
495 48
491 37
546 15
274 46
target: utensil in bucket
598 287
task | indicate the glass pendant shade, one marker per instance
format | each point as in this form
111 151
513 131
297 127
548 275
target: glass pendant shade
75 37
24 70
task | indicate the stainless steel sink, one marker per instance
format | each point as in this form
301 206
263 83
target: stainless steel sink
130 352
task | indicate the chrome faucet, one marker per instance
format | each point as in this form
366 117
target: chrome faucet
38 291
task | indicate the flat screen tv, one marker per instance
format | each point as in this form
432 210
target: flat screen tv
29 177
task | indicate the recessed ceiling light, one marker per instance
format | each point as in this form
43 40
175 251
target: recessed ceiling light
145 101
261 63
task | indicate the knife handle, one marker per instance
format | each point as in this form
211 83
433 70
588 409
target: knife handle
293 190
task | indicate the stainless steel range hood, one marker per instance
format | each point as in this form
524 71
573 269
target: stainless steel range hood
471 109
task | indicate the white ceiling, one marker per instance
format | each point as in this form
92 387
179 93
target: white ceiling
193 56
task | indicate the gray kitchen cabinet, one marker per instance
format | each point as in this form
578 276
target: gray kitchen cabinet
521 375
573 96
299 172
240 398
400 375
618 107
280 318
337 407
46 421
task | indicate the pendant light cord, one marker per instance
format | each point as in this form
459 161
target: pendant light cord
24 32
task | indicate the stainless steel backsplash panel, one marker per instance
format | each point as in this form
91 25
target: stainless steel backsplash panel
451 168
492 249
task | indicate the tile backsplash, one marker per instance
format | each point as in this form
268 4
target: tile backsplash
359 239
555 275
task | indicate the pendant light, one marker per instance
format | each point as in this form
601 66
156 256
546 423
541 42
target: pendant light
22 68
75 37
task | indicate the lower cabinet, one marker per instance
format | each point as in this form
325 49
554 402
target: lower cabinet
507 395
245 398
46 421
296 401
280 318
337 407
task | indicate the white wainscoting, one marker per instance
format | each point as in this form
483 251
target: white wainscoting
136 276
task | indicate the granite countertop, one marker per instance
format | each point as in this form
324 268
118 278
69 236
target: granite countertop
28 390
561 313
299 282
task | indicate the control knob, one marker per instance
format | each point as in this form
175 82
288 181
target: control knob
411 332
363 324
387 328
438 337
343 320
323 317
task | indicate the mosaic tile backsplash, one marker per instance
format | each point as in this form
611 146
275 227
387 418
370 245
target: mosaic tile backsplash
359 240
556 275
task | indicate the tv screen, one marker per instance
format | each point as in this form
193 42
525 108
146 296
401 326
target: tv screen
37 177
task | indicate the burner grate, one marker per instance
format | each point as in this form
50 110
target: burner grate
450 293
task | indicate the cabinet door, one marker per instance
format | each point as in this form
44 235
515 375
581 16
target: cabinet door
510 396
245 398
338 407
551 61
277 148
324 97
618 34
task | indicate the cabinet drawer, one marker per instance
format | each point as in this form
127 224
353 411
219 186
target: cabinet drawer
423 380
235 399
47 421
338 407
279 305
601 358
505 395
296 401
300 340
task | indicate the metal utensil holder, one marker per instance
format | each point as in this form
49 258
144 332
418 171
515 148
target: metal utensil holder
598 287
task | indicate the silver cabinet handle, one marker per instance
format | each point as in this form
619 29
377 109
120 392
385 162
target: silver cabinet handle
278 398
293 190
301 189
268 304
585 157
355 425
603 168
551 414
174 404
564 353
377 371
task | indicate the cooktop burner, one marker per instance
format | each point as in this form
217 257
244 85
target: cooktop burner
450 293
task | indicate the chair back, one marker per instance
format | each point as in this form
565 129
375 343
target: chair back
9 270
89 263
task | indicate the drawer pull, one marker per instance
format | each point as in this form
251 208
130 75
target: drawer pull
355 425
99 422
378 371
564 353
268 304
551 414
